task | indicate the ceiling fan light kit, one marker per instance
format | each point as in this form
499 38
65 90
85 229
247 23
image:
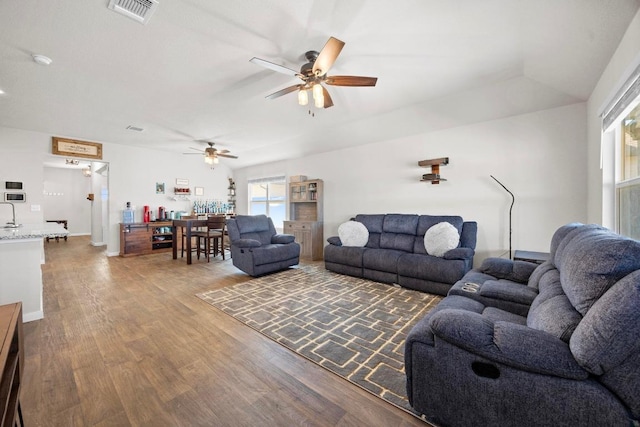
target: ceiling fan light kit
212 155
314 73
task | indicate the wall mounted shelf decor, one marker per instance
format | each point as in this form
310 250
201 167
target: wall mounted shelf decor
434 177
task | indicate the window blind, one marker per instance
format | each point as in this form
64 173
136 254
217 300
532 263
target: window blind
627 94
267 179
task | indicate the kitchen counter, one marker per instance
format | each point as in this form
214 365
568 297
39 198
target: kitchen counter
21 257
33 231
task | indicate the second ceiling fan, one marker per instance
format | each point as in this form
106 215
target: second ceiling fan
314 73
211 153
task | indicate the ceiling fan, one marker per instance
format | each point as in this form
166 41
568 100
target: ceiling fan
211 153
314 73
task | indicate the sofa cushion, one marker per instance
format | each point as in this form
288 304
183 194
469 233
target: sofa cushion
400 224
398 232
346 255
381 259
441 238
283 239
592 262
501 268
353 233
374 226
431 268
556 316
268 254
397 241
608 334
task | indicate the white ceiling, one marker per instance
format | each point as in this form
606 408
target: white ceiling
186 75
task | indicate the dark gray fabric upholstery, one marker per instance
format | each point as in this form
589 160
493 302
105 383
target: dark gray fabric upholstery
517 271
472 362
256 249
395 252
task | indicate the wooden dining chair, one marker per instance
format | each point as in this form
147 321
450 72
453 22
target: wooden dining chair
211 241
184 236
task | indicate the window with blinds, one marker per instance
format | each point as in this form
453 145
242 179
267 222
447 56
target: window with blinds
268 196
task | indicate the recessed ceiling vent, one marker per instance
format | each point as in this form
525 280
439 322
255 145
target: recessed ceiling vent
138 10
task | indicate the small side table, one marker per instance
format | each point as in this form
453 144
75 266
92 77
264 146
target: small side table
531 256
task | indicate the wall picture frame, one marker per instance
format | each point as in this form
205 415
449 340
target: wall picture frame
76 148
159 187
182 182
198 191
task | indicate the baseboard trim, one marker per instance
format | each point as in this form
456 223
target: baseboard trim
32 315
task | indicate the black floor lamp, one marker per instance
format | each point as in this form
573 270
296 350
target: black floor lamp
513 200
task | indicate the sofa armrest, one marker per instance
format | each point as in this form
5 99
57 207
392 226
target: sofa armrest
459 253
501 268
246 243
282 238
335 241
507 343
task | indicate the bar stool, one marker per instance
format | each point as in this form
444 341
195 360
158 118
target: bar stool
211 241
184 235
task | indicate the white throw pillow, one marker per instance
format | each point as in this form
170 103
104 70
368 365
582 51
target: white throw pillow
441 238
353 233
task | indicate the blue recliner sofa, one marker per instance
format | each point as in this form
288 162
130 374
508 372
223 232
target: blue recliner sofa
515 344
257 249
395 252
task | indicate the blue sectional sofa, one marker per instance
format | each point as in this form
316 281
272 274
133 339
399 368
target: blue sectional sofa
395 252
515 344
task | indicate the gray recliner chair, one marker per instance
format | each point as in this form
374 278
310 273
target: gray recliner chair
257 249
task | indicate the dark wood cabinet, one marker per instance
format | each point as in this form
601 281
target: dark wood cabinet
12 363
146 238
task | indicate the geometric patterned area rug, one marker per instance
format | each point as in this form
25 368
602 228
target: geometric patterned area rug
353 327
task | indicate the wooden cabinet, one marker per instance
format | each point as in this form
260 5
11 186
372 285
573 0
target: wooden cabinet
309 235
146 238
306 213
11 363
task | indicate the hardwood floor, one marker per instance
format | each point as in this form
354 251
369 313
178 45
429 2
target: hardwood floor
125 341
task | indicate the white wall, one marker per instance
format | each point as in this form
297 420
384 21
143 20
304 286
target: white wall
21 160
133 174
540 157
601 200
65 197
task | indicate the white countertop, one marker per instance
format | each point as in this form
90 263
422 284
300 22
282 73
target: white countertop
33 231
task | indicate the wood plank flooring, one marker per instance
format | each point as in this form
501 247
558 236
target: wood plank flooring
125 342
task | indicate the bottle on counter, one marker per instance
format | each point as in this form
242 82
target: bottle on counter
128 214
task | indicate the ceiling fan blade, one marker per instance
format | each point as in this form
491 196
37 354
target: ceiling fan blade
223 151
328 102
327 56
351 81
274 67
227 155
284 91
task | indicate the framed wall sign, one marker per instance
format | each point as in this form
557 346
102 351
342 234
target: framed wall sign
75 148
199 191
182 181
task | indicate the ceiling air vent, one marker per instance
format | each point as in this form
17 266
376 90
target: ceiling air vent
138 10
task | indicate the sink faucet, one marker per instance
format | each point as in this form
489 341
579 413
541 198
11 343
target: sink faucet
11 224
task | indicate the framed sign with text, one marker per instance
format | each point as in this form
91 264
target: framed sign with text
75 148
